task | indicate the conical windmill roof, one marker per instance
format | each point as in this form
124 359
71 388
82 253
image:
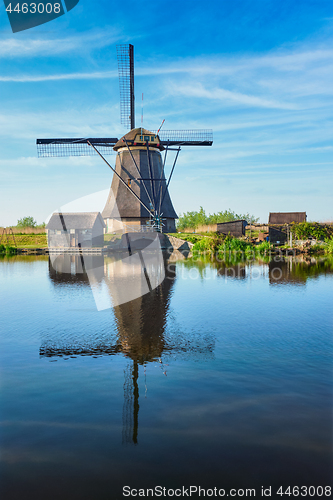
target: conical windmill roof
132 134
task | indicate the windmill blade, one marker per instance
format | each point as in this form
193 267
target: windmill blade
74 147
125 56
199 137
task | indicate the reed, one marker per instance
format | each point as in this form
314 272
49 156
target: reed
25 230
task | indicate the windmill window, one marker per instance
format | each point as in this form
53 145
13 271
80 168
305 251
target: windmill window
147 138
152 138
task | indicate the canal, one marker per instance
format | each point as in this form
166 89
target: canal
218 375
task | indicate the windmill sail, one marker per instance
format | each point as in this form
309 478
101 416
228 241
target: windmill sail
199 137
139 186
74 147
81 147
125 56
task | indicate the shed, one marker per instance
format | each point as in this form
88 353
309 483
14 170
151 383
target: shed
81 229
235 228
278 235
286 217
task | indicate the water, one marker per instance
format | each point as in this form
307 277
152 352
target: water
220 377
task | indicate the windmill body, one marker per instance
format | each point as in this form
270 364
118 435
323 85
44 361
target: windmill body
142 170
139 199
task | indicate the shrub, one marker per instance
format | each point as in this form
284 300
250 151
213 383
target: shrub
10 250
7 249
304 230
329 245
200 218
264 247
205 245
26 222
235 248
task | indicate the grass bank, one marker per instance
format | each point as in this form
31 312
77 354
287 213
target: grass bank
30 240
227 246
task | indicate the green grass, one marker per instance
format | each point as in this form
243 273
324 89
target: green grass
30 241
111 237
191 237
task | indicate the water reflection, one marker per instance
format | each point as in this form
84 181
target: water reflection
140 323
232 271
280 270
69 269
296 271
245 394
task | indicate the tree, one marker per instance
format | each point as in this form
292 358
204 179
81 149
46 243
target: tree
194 219
26 222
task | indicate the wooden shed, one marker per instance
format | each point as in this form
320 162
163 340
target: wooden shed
278 235
85 229
235 228
286 217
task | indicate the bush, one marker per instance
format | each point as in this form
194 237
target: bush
205 245
26 222
233 248
7 249
264 247
195 219
329 245
305 230
10 250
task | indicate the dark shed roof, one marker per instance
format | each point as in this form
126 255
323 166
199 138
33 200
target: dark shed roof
78 220
286 217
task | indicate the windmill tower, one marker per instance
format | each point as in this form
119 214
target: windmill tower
139 193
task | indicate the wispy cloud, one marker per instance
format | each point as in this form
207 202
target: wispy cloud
220 94
98 75
27 46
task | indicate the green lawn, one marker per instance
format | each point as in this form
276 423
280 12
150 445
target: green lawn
28 241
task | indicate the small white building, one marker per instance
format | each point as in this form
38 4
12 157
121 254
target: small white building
81 229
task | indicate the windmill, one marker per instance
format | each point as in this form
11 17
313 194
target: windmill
139 190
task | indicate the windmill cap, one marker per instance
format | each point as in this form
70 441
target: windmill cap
137 137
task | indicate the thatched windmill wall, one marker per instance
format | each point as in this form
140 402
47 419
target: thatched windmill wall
142 171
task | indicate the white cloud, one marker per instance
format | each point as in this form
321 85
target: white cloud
27 46
65 76
220 94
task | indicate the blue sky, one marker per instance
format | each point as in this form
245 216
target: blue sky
258 73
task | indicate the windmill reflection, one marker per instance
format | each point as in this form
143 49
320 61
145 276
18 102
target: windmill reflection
141 325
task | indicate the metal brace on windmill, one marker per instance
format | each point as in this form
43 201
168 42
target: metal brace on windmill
139 190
